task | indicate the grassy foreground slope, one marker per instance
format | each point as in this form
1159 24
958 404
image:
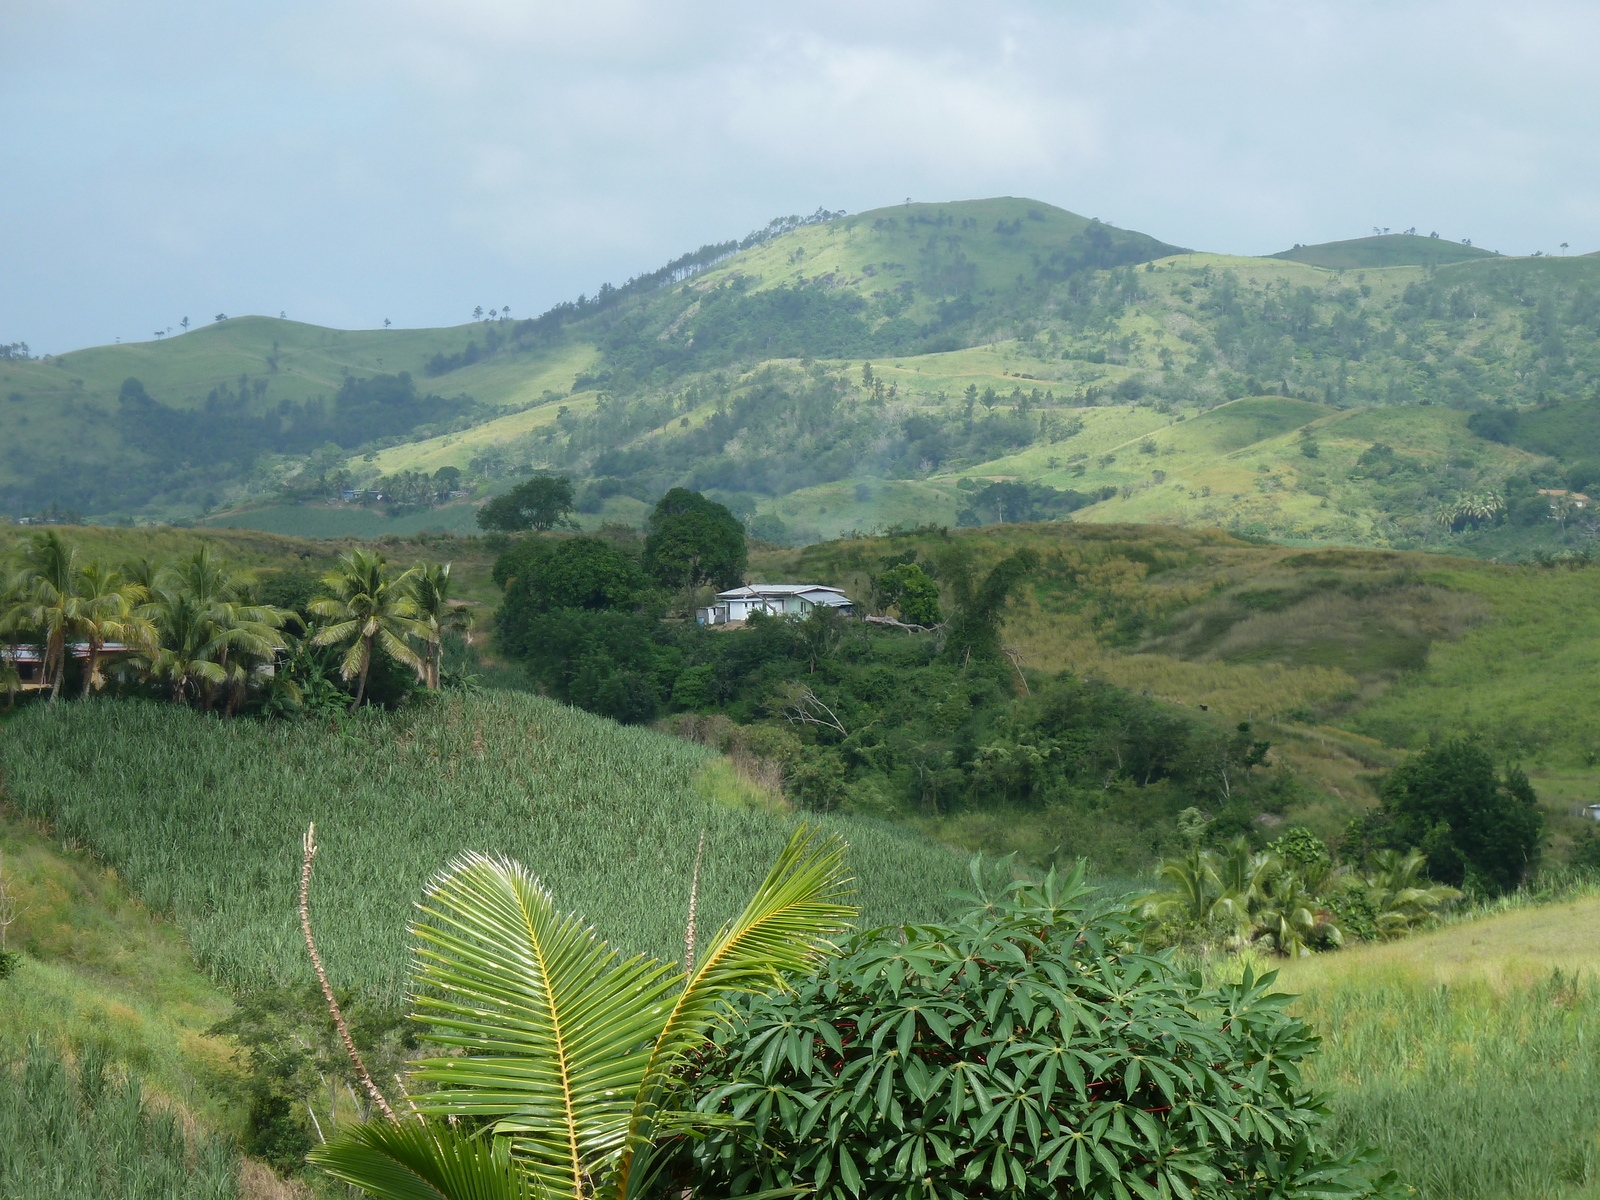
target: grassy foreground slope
205 819
101 970
1466 1053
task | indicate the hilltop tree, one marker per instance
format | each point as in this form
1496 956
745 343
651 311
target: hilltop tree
539 504
693 541
371 610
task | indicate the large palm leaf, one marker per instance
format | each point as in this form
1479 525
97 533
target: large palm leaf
413 1162
566 1045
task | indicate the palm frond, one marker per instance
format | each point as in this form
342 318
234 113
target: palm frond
787 923
415 1162
552 1030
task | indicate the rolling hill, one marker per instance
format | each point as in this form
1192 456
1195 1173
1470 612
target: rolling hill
1384 250
840 373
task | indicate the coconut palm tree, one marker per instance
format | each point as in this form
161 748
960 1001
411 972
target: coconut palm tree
1401 892
370 609
1291 920
1208 890
244 629
430 591
571 1051
185 655
107 614
49 600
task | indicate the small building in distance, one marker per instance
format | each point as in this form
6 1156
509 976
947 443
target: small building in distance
776 599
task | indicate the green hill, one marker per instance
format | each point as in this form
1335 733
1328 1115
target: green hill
1384 250
841 373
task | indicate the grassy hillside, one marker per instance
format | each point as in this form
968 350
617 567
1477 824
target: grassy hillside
1384 250
608 815
101 970
1345 658
1464 1053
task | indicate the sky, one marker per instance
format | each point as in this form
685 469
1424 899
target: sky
350 161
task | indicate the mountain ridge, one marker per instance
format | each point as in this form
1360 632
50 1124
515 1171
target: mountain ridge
839 368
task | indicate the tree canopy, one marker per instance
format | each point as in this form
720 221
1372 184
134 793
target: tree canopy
1477 826
1026 1050
693 541
540 503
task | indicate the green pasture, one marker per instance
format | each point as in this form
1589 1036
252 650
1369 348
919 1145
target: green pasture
1466 1054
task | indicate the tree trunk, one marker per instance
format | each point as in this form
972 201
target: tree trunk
61 671
94 665
366 665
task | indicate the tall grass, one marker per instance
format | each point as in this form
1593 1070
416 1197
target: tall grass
85 1134
204 819
1472 1092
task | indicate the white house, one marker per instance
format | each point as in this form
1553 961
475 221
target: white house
778 599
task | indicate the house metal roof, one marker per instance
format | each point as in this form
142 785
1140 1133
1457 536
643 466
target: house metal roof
758 591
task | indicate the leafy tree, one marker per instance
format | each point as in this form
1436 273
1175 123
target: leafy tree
107 615
1026 1050
909 588
245 634
539 575
974 627
185 656
540 503
558 1047
693 541
370 610
1476 826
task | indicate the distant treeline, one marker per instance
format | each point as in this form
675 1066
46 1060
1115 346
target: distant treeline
226 429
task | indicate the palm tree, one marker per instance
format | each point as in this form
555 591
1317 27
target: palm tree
574 1052
1207 890
1290 919
1401 892
369 609
106 614
243 627
49 585
185 654
430 591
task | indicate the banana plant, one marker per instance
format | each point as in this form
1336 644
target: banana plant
560 1075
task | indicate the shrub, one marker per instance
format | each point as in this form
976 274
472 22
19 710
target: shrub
1026 1050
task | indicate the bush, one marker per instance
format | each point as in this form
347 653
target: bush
1027 1050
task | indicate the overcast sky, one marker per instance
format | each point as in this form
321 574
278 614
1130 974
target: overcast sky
344 161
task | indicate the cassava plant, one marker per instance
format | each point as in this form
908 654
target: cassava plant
1027 1050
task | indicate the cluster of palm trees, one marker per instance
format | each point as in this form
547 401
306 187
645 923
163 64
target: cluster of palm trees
1290 904
1470 508
198 628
